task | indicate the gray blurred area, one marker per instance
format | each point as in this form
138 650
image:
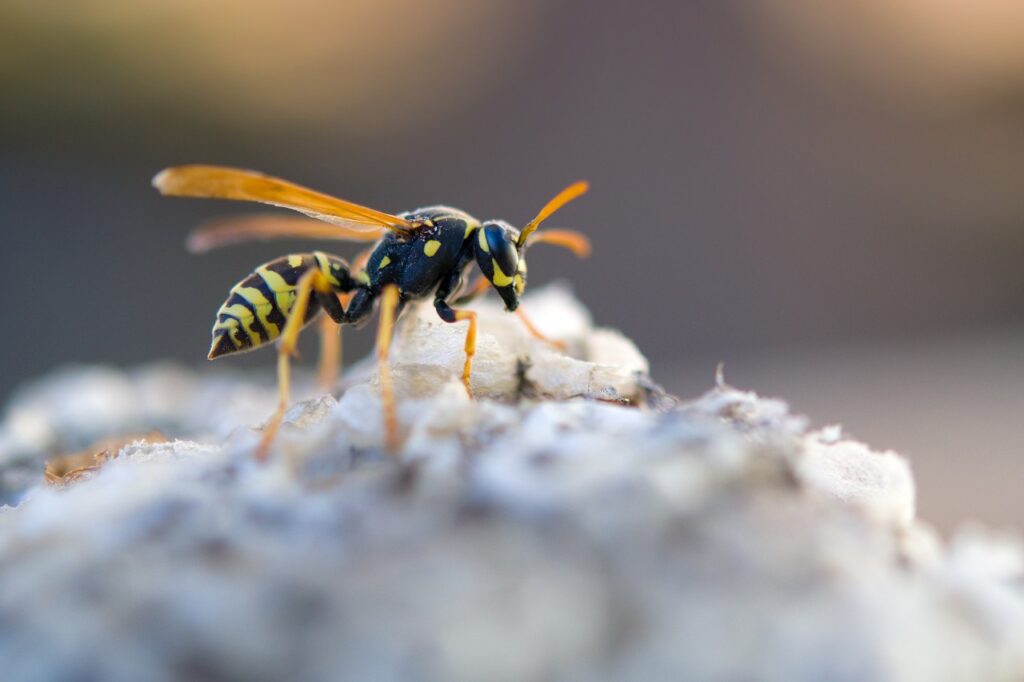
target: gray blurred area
830 203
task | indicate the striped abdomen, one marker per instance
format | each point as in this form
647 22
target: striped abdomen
257 307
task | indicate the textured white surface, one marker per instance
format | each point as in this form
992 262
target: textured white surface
516 537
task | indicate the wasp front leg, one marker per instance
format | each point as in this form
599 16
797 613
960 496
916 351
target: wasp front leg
480 286
537 333
451 315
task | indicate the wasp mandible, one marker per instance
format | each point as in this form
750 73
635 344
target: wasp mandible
420 253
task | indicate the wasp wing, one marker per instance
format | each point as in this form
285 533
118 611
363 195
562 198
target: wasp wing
236 230
219 182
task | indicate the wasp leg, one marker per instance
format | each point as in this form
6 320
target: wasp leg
330 337
330 334
389 304
477 288
470 346
576 242
449 314
312 280
330 353
536 333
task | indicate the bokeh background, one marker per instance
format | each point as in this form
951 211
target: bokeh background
827 197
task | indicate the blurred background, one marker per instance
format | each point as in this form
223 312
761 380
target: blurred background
825 196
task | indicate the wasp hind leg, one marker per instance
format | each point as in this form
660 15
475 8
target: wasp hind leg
329 368
330 325
312 281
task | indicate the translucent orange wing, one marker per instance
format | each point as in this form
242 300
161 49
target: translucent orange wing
218 182
261 227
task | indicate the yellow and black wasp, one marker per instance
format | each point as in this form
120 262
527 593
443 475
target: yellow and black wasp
418 254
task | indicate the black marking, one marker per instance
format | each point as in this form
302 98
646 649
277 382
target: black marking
255 325
221 345
276 316
289 273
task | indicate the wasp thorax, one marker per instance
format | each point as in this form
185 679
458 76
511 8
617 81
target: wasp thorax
497 255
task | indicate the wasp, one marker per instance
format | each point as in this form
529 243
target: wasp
417 254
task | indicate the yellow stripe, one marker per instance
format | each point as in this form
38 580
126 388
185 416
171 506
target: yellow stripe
251 294
275 281
237 310
230 327
483 242
470 226
431 247
284 293
363 278
325 267
386 261
245 316
295 261
262 306
285 301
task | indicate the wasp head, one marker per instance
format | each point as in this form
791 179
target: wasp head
500 258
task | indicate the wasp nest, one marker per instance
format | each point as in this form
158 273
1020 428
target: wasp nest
572 522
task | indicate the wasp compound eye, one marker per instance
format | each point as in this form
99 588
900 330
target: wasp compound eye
502 248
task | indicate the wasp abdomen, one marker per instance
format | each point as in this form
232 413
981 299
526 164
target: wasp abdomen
258 306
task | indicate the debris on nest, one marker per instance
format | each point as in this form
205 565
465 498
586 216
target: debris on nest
558 526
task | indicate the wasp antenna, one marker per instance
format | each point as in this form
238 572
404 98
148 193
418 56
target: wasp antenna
573 191
576 242
160 179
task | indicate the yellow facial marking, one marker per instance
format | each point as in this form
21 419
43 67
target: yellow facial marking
500 279
363 278
483 242
295 261
520 284
431 247
386 261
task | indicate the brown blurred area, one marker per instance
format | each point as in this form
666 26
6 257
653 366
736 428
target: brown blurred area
826 196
